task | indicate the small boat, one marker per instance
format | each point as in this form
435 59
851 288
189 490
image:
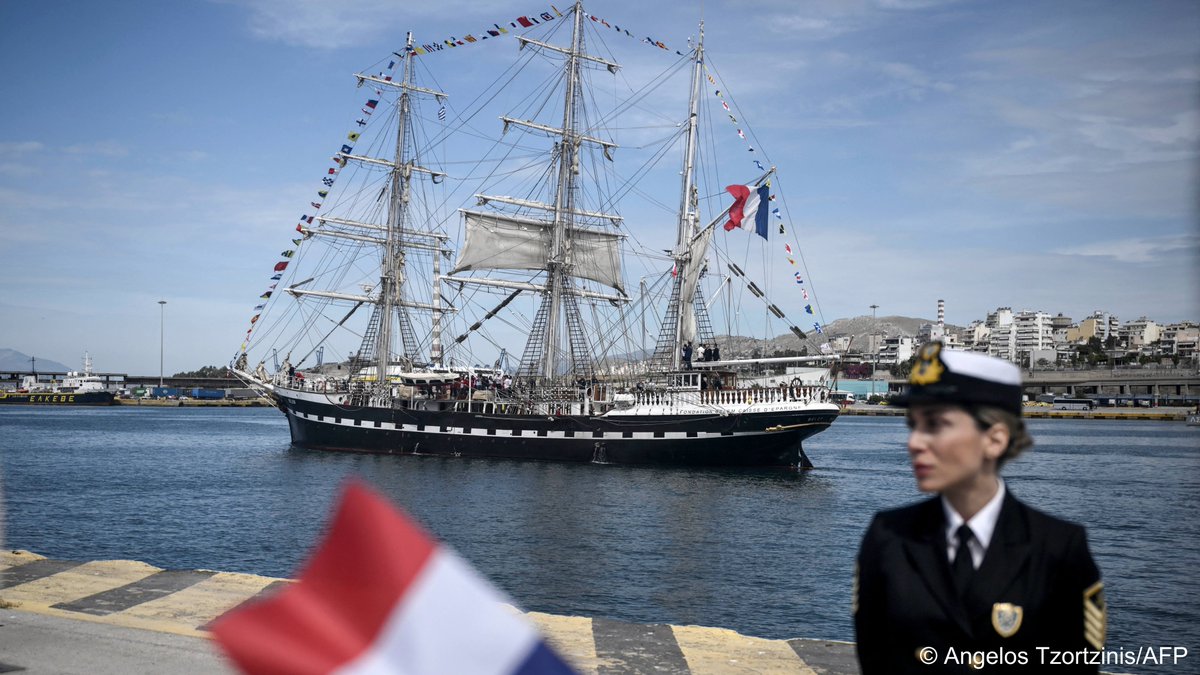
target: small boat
77 388
548 266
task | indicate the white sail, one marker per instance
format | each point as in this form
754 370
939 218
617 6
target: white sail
501 242
697 250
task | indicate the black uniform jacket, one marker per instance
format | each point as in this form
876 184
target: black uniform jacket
1037 584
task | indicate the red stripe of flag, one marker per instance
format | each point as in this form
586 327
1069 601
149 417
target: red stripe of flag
333 614
737 211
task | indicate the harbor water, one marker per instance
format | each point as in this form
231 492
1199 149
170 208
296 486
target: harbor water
768 554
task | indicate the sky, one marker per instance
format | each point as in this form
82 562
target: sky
1021 154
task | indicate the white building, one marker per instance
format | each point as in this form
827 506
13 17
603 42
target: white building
896 350
1181 339
1002 334
1100 324
1034 331
1139 333
975 336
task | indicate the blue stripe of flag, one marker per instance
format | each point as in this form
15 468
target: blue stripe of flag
760 218
543 661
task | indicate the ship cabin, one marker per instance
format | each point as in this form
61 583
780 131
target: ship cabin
706 379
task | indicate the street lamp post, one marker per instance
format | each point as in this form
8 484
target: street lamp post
162 314
874 349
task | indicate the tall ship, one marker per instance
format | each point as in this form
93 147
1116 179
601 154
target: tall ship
77 388
388 324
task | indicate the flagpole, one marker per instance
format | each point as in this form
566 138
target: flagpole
162 318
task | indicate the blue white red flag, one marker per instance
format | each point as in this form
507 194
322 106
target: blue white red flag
749 210
381 596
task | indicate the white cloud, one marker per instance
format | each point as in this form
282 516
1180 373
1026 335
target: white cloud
1134 249
917 81
914 4
10 149
107 148
331 24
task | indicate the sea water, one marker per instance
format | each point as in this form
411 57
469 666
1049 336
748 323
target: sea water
766 553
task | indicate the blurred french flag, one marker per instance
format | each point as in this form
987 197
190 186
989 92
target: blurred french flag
749 210
381 596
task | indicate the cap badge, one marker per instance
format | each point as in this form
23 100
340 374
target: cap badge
928 369
1006 618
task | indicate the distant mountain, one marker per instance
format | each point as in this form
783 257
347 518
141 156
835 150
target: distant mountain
892 326
11 359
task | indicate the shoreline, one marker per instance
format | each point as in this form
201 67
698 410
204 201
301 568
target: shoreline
194 403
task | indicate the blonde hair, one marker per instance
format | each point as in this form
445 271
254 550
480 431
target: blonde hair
1018 436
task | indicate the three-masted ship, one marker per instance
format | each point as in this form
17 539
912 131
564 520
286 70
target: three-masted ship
555 250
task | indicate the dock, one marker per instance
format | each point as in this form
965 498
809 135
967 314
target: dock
124 616
196 403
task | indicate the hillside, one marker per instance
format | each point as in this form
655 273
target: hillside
858 327
862 326
11 359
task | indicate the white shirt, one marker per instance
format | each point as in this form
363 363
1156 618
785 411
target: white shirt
982 525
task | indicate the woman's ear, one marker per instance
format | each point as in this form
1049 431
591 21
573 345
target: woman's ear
995 440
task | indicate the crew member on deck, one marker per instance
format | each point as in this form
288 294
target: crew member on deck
972 577
687 355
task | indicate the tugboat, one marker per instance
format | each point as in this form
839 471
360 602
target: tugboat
77 388
583 390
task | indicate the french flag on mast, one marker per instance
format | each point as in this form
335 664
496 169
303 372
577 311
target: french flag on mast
381 596
749 210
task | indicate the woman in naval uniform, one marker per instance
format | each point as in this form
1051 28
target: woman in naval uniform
972 578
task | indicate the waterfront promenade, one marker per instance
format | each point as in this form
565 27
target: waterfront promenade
118 617
122 616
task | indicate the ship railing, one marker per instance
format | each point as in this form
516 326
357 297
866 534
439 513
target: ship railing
733 397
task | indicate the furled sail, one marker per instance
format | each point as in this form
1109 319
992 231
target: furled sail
697 250
502 242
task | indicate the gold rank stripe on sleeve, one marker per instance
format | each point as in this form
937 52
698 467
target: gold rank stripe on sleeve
1095 618
854 592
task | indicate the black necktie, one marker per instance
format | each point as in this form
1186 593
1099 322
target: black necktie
963 567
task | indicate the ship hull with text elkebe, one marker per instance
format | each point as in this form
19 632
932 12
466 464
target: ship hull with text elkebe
58 398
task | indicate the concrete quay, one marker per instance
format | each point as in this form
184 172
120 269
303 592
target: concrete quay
122 616
195 403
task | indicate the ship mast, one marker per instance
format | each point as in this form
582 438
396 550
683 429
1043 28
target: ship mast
687 201
391 273
498 241
564 199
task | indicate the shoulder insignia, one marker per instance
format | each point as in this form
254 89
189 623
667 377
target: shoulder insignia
854 592
1095 615
1006 618
928 369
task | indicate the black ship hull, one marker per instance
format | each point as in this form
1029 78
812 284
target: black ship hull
759 439
58 398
